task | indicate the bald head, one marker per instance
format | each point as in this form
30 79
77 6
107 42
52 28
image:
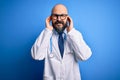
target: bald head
59 9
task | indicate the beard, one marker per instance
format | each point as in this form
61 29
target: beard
58 28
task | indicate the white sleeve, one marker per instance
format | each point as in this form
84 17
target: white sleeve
39 49
79 47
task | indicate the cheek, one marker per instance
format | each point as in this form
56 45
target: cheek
53 20
65 21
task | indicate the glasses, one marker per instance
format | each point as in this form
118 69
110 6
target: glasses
62 16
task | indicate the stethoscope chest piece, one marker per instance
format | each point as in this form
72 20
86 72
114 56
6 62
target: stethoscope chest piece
51 55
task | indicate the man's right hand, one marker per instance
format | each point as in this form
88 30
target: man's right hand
48 19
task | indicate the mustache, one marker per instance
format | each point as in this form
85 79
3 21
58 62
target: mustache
59 22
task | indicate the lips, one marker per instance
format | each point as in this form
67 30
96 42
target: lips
59 24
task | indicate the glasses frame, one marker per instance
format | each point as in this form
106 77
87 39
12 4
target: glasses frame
62 16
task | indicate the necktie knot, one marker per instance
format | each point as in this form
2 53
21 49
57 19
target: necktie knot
60 33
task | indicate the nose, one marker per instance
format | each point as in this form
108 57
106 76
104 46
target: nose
58 18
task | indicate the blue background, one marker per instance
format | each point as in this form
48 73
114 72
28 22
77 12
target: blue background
21 21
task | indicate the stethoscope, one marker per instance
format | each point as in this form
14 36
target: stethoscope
51 44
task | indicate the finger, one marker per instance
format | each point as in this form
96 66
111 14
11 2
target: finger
48 19
70 18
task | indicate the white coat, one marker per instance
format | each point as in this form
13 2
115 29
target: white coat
56 67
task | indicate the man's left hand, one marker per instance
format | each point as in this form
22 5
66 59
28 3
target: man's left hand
69 28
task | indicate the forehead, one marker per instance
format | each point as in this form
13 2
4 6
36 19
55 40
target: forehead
59 9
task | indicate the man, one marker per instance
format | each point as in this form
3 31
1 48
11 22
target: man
61 45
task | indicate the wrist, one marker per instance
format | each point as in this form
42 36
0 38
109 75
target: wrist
69 29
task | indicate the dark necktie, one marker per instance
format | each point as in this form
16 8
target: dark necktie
61 44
